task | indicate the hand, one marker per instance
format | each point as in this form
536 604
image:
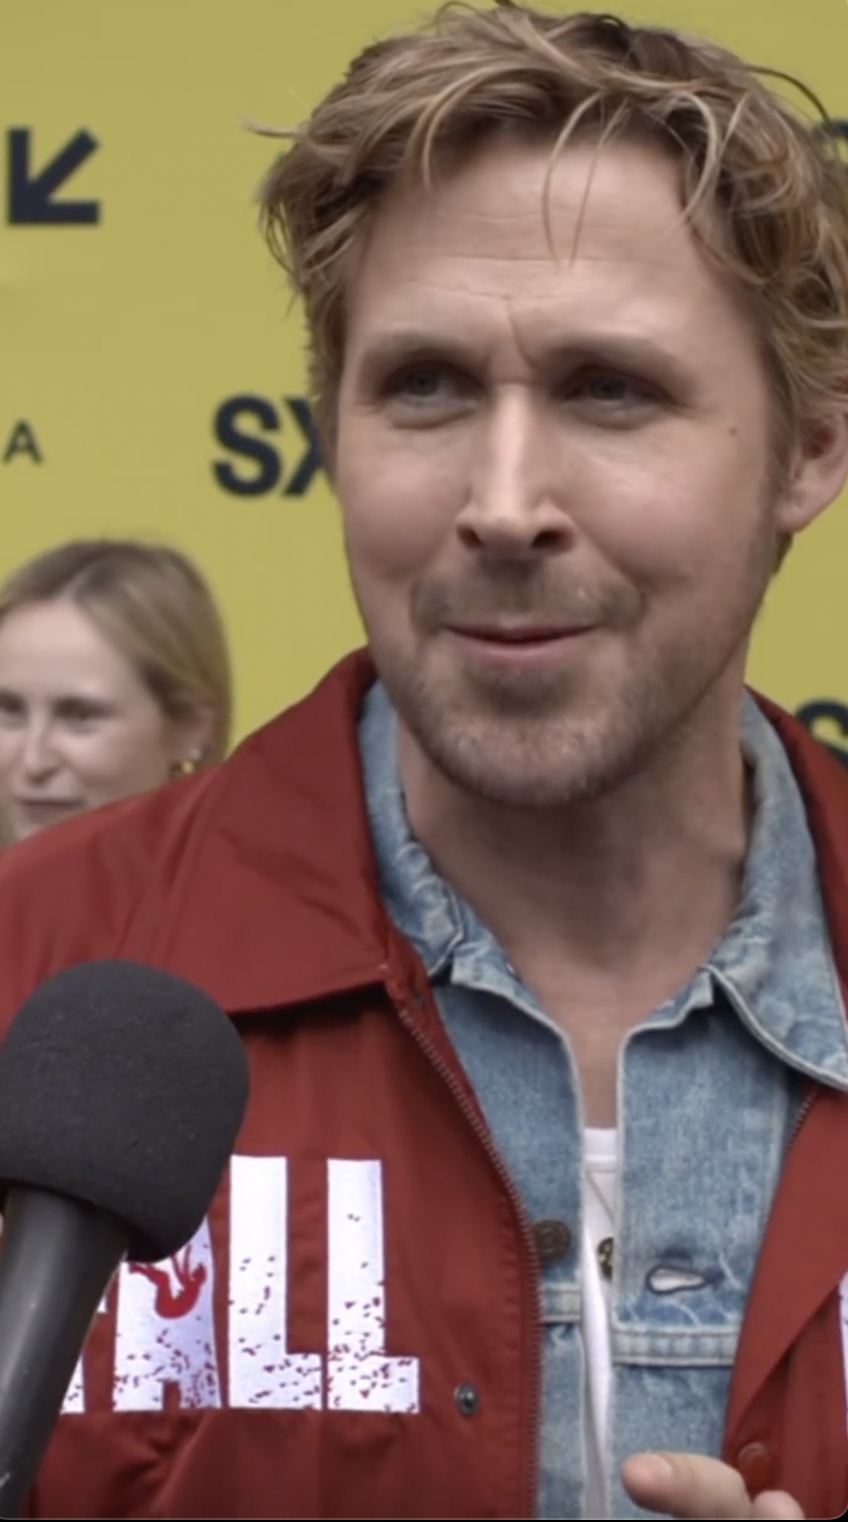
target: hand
688 1485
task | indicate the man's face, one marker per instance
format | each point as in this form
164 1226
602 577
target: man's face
553 470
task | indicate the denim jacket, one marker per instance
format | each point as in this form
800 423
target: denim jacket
708 1092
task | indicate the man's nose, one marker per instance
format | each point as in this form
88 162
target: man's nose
515 501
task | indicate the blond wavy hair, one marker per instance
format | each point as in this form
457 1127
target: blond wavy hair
154 605
762 185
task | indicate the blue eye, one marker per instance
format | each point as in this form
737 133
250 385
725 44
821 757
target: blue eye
608 388
614 390
421 382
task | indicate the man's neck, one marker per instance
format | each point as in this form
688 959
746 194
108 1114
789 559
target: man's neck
605 909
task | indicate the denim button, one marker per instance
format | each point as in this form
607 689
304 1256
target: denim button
553 1239
467 1399
756 1465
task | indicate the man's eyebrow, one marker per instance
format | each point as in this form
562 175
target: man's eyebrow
405 345
631 352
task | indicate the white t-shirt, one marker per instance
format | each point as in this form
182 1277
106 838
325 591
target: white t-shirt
599 1198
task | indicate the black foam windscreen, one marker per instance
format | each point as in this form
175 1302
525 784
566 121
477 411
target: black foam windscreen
125 1087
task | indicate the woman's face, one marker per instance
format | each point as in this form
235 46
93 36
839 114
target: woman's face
78 726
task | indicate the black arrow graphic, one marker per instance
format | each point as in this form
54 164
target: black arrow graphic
30 196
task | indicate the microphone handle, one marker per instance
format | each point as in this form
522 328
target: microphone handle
57 1258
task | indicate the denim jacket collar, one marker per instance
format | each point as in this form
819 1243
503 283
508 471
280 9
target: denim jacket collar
774 963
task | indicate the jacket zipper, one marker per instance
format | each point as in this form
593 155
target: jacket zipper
482 1135
806 1105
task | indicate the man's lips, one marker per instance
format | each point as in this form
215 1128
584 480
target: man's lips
519 647
524 634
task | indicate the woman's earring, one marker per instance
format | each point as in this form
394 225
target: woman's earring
187 767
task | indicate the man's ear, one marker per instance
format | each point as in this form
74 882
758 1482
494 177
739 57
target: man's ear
817 475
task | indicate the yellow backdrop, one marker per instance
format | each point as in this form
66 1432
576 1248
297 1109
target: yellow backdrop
151 379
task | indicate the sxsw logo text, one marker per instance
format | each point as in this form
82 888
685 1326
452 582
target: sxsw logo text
270 446
20 442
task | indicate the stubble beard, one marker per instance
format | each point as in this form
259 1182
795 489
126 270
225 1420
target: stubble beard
546 740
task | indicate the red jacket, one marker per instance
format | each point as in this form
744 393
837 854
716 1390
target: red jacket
355 1332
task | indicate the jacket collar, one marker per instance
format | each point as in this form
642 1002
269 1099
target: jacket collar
804 1255
824 788
282 862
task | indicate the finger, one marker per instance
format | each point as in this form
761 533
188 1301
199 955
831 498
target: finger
687 1485
774 1504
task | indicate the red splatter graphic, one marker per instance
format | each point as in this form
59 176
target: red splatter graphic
170 1304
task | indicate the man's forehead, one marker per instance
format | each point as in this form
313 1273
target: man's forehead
511 221
397 306
533 204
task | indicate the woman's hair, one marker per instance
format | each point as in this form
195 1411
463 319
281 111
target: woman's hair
761 185
152 603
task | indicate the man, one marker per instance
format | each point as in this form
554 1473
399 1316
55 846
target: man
534 923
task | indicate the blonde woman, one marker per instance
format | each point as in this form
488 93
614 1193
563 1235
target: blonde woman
114 677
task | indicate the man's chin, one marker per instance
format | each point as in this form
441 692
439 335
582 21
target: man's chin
520 776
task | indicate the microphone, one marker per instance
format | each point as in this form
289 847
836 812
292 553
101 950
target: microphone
122 1091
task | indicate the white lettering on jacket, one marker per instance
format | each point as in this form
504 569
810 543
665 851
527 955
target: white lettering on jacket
166 1330
262 1370
165 1333
360 1374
